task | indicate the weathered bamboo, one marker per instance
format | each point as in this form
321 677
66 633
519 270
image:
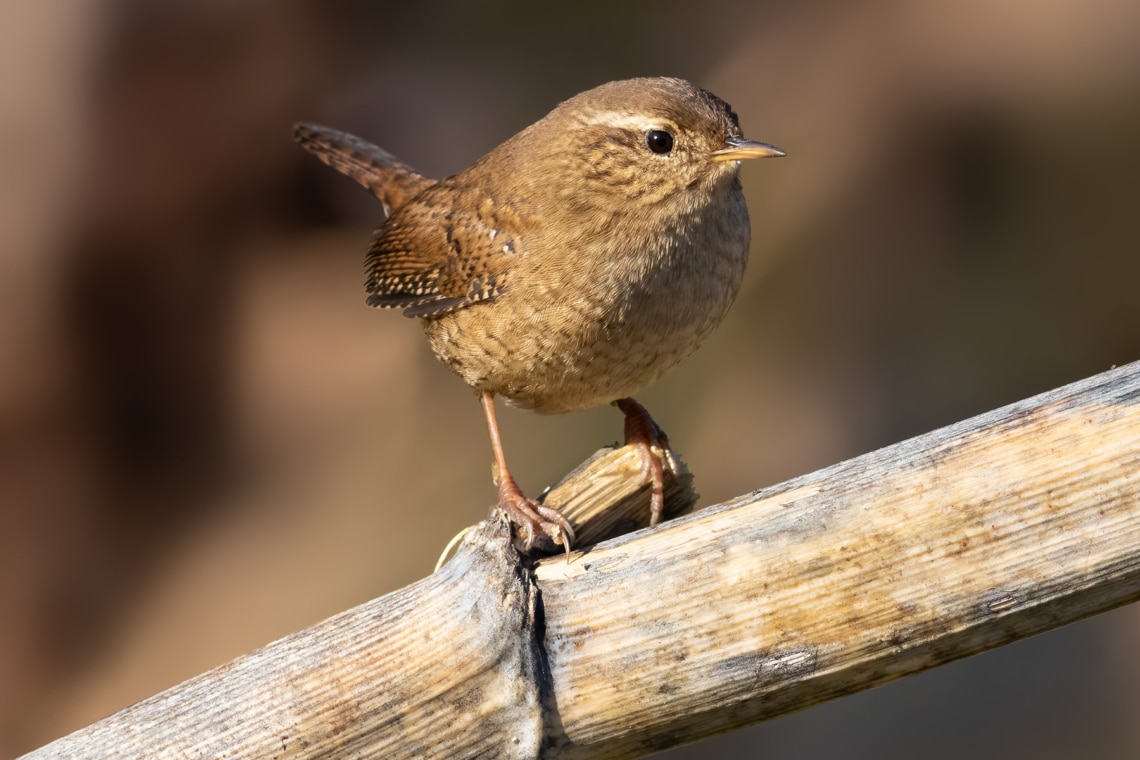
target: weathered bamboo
450 666
984 532
996 528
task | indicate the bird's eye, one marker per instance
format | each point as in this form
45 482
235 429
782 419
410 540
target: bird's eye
659 141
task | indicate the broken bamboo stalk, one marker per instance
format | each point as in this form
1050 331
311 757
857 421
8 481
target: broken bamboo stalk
996 528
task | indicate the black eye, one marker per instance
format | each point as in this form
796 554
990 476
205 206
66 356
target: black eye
659 141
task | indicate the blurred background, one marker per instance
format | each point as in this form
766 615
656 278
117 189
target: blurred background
207 441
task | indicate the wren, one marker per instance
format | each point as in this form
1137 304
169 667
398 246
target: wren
573 264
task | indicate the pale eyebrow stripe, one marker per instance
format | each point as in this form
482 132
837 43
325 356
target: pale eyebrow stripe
625 120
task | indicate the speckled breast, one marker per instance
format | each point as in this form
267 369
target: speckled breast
599 327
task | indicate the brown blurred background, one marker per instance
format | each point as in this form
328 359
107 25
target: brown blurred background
207 441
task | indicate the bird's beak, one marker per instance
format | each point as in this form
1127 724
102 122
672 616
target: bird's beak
739 149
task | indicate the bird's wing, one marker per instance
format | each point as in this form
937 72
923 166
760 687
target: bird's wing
445 251
393 182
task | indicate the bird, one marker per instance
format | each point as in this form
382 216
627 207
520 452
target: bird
572 265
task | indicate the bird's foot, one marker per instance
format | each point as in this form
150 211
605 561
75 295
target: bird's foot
642 431
532 517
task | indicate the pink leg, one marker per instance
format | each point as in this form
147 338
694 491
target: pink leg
526 513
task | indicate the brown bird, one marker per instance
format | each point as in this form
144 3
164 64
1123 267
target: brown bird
573 264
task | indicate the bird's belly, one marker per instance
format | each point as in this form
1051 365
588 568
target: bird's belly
553 354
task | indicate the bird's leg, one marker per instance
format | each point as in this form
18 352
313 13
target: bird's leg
526 513
642 431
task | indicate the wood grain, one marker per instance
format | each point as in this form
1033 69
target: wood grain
446 667
990 530
996 528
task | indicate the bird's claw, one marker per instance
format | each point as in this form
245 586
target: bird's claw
642 431
532 517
